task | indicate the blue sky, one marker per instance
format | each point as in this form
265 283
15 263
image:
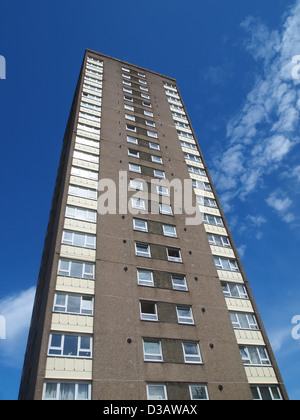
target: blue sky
233 64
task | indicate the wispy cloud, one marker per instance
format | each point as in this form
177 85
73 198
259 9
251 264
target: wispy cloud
16 310
281 204
265 131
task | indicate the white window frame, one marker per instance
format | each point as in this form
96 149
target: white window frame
84 274
53 350
152 134
136 185
147 316
134 153
63 307
161 211
224 240
182 278
58 386
162 190
142 282
154 146
246 355
148 113
83 192
153 357
86 244
170 234
144 254
174 259
135 168
191 358
138 228
198 385
80 213
131 128
84 173
182 319
164 389
159 174
132 140
235 291
270 389
138 203
239 318
221 264
130 117
156 159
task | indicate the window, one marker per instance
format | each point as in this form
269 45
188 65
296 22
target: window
198 392
156 392
191 352
147 104
174 255
127 90
188 145
159 174
132 140
73 304
196 171
204 201
161 190
218 240
79 213
142 250
152 351
137 185
255 356
201 185
212 220
87 142
154 146
233 290
67 391
148 311
83 192
165 209
226 264
126 76
266 393
184 315
76 269
142 81
148 114
86 156
192 157
135 168
140 225
170 231
150 123
133 153
70 345
145 277
241 320
126 83
129 117
143 95
179 282
138 203
130 127
152 134
82 240
128 98
125 69
156 159
129 108
84 173
141 75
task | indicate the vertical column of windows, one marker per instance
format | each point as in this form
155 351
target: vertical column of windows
249 338
71 337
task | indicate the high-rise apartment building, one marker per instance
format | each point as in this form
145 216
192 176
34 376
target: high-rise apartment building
137 298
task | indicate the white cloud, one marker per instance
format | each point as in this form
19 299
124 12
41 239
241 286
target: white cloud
264 132
241 250
280 203
16 310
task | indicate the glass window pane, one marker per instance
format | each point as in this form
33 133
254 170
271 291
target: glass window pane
73 304
87 305
265 393
83 392
70 345
198 392
76 269
50 391
156 392
67 391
